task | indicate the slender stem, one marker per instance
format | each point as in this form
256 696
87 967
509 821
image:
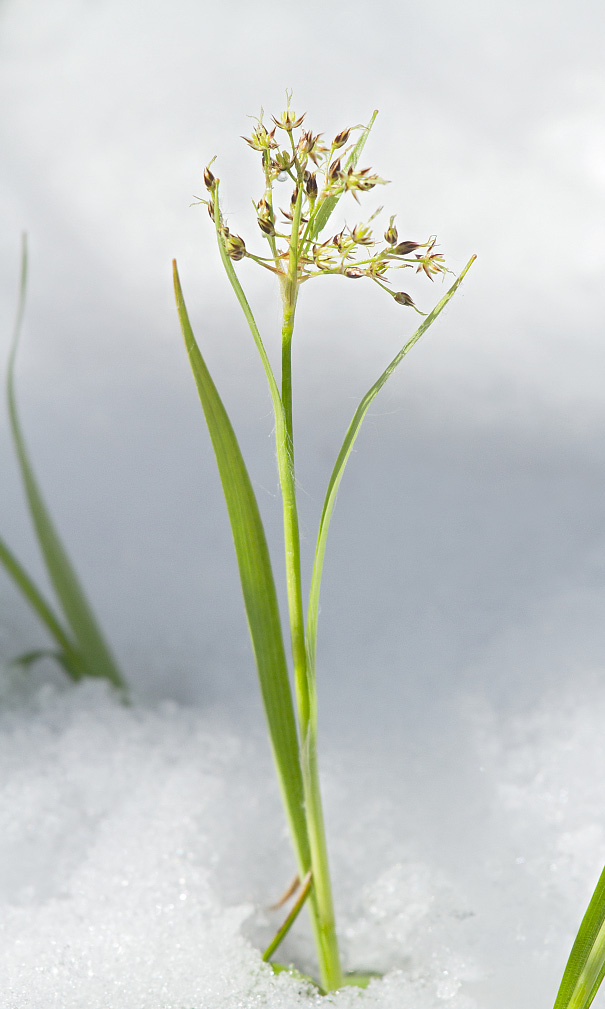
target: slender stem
320 900
322 908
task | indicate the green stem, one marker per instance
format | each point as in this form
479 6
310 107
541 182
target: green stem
322 908
320 899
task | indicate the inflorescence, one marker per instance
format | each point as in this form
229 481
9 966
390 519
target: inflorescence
320 174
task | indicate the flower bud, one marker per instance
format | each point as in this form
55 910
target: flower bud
211 209
404 248
391 232
341 138
354 272
404 299
266 226
264 210
235 246
209 180
334 171
311 185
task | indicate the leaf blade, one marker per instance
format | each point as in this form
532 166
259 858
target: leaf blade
585 967
341 461
258 586
329 205
94 652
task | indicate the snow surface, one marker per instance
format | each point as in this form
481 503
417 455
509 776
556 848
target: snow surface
141 847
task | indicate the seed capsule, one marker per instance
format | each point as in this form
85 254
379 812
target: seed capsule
404 299
353 272
209 180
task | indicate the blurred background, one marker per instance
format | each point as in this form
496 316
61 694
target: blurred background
467 548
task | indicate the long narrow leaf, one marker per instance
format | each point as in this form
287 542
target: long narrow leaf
258 586
586 965
329 205
39 604
341 462
96 657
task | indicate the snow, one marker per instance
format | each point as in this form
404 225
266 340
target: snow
141 847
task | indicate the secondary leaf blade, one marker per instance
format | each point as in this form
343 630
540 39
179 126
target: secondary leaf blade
329 205
258 586
32 594
341 462
586 965
96 657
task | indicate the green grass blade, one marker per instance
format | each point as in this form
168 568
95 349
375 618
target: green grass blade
291 918
586 965
341 462
329 205
68 656
70 663
96 657
34 597
258 587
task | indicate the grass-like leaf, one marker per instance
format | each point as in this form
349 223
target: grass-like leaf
258 587
329 205
87 651
586 965
341 462
67 656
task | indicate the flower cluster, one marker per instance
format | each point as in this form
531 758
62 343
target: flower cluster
320 174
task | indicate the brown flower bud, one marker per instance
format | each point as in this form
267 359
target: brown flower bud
311 185
334 170
404 248
354 272
391 232
209 180
211 209
264 210
266 226
404 299
341 138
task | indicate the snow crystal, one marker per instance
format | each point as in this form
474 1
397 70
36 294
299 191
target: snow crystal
142 847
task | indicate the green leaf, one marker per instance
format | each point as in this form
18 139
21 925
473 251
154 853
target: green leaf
360 979
258 587
70 663
329 204
282 968
95 656
586 965
341 462
32 594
